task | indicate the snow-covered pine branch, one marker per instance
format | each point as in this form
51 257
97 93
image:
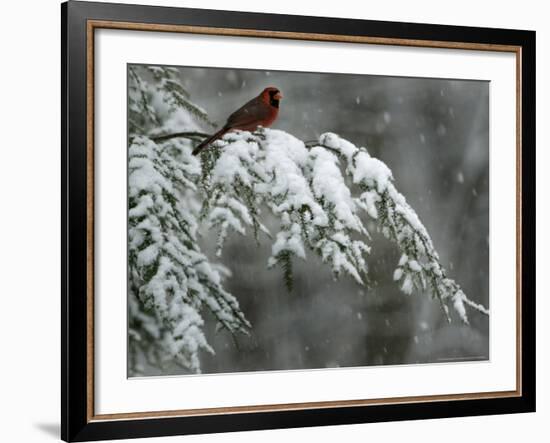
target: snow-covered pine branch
158 103
169 275
305 188
170 280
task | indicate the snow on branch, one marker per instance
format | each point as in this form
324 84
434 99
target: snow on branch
305 188
171 281
170 278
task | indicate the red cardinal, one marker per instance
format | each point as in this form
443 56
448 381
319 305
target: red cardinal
260 111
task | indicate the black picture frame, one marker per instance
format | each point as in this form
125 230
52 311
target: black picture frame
76 422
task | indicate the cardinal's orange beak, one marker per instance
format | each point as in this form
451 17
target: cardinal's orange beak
278 96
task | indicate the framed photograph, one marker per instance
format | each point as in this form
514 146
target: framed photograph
279 221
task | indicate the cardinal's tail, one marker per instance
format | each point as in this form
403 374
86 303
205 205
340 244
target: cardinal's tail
210 140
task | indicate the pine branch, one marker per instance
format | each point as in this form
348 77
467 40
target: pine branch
171 280
191 135
303 185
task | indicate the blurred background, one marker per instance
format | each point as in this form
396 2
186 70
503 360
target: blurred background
434 136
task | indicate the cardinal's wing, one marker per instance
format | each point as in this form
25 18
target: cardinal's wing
253 111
